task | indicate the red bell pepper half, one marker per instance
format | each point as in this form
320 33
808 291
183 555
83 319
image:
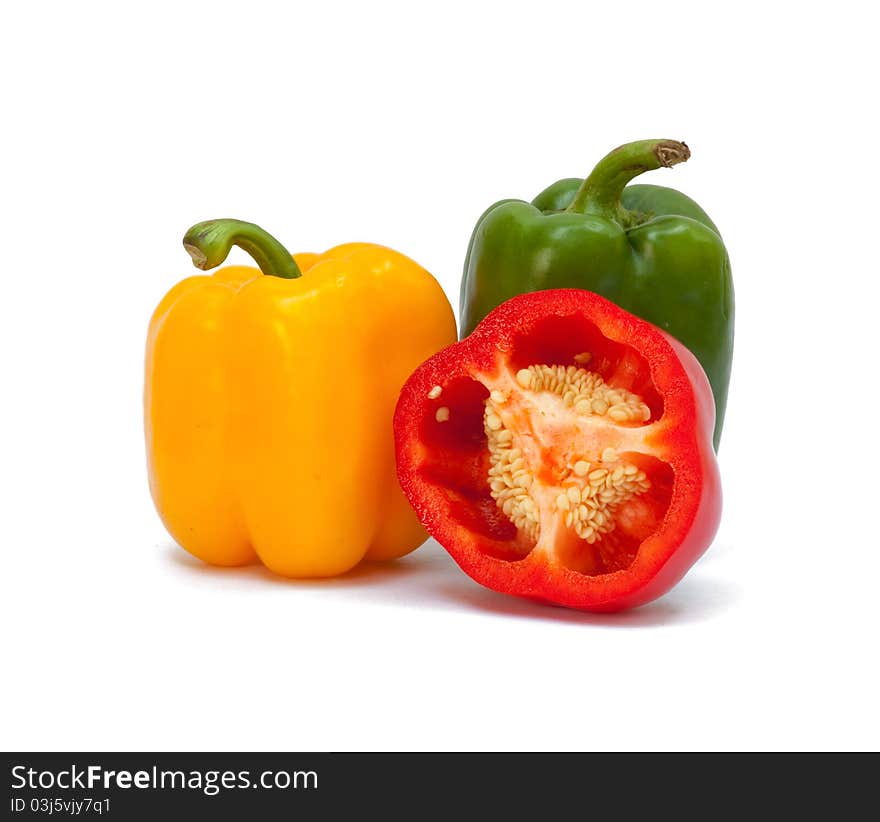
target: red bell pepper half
563 452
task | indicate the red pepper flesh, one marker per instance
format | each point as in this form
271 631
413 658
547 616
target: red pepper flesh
563 453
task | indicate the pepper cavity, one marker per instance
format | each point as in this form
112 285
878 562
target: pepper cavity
580 488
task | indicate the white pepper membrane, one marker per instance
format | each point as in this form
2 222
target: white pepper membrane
558 439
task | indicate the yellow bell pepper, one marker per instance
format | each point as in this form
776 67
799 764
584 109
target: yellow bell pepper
269 399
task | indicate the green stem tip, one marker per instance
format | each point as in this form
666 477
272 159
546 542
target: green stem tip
600 193
210 242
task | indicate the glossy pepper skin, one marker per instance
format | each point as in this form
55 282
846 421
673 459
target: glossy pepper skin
269 399
650 249
442 435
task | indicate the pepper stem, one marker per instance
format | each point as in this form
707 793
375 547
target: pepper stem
210 242
600 193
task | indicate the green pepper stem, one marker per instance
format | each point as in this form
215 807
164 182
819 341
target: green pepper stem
600 193
210 242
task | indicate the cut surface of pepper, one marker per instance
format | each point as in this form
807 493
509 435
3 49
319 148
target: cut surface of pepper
574 464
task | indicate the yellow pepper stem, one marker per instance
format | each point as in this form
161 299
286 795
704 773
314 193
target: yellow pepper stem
210 242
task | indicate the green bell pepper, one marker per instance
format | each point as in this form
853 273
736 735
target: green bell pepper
650 249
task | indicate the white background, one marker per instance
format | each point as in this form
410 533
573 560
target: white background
399 124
